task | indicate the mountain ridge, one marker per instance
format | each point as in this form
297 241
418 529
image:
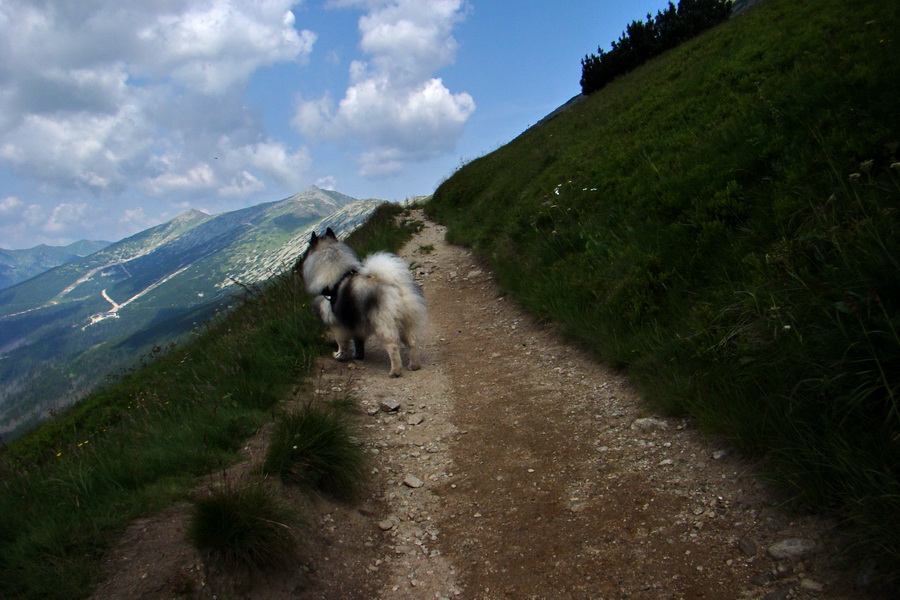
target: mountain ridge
146 290
20 265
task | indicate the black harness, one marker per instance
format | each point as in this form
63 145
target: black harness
331 292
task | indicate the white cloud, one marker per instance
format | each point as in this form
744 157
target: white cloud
215 45
395 108
288 168
107 95
79 149
135 218
198 177
242 184
66 216
329 182
11 207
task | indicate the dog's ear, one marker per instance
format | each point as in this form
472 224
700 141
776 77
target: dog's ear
313 239
330 233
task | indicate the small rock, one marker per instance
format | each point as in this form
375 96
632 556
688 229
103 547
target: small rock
412 481
415 420
649 423
386 525
390 405
761 579
665 462
748 546
720 454
811 585
578 506
779 594
791 548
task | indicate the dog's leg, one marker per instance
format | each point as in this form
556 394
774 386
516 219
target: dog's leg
393 351
359 348
415 359
345 349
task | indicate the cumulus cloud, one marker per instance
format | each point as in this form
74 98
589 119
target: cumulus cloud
65 216
104 96
10 207
329 182
394 107
198 177
286 167
12 220
213 46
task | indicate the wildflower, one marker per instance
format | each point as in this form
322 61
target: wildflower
787 327
866 166
895 166
855 176
58 454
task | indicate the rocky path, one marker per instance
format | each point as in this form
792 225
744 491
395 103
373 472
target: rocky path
515 466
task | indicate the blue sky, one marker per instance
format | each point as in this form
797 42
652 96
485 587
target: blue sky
117 115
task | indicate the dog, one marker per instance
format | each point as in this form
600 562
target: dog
356 299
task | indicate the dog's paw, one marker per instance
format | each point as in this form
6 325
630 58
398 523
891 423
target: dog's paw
342 356
397 373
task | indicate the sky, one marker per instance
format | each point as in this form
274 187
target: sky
118 115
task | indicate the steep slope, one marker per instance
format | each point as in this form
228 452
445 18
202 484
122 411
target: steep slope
64 330
722 222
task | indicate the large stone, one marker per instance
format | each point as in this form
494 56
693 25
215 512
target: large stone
649 424
412 481
791 548
390 405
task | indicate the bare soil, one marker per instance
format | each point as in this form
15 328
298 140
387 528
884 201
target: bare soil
516 466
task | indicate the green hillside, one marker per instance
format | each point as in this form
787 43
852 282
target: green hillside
722 222
138 445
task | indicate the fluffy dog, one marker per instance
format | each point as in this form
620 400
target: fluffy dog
358 299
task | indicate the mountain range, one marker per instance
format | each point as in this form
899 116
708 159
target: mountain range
69 328
17 266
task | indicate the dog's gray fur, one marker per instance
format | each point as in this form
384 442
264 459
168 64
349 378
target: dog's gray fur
356 299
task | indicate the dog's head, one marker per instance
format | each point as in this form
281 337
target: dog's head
315 242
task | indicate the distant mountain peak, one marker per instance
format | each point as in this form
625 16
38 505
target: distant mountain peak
191 215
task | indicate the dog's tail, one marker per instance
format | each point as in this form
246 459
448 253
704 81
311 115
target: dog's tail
387 269
397 290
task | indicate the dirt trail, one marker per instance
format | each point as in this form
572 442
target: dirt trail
515 467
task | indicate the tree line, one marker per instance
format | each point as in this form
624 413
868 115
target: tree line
642 40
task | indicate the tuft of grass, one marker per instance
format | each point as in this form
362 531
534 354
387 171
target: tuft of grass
246 526
314 446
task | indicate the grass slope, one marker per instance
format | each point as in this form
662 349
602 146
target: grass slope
139 445
722 222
